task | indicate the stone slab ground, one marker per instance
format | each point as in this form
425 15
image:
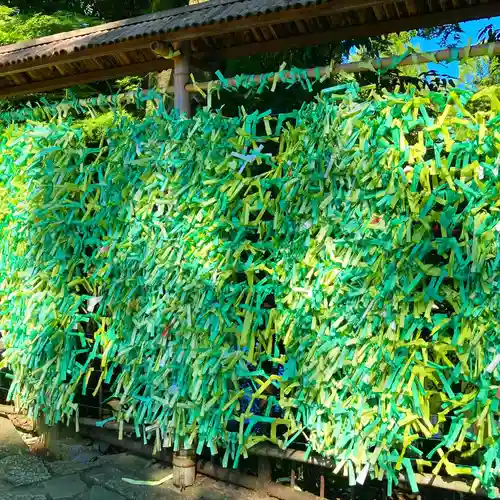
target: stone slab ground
33 478
10 439
87 474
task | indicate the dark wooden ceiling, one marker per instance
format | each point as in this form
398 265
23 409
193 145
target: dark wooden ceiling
216 30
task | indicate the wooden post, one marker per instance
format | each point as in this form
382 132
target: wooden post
49 434
181 78
184 468
264 471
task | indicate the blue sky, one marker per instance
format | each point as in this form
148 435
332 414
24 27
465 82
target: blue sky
471 30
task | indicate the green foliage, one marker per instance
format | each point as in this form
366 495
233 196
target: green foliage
15 27
476 72
488 68
157 5
129 83
448 34
480 72
105 10
94 129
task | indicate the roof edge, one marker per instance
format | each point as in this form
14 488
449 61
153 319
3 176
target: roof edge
125 22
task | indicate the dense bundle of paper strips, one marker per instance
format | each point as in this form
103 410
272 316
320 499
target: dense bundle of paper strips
331 274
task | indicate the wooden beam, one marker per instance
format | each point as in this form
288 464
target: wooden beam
333 7
372 29
329 8
210 63
252 22
93 76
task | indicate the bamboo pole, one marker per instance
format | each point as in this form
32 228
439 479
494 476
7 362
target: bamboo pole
384 63
445 55
181 77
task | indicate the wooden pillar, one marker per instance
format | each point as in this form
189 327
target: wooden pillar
184 468
49 434
181 78
264 471
322 485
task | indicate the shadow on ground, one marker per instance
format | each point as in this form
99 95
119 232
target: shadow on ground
87 470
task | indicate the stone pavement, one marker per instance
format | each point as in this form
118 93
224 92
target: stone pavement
87 474
10 440
27 477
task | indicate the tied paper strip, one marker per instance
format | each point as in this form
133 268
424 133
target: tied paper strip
341 287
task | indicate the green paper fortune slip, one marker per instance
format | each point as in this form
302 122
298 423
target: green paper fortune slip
330 273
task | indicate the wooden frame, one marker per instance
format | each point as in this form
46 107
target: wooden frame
392 26
94 76
72 58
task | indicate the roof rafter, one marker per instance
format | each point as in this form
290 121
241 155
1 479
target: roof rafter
349 32
92 76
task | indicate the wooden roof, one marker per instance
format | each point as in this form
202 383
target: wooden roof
216 30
